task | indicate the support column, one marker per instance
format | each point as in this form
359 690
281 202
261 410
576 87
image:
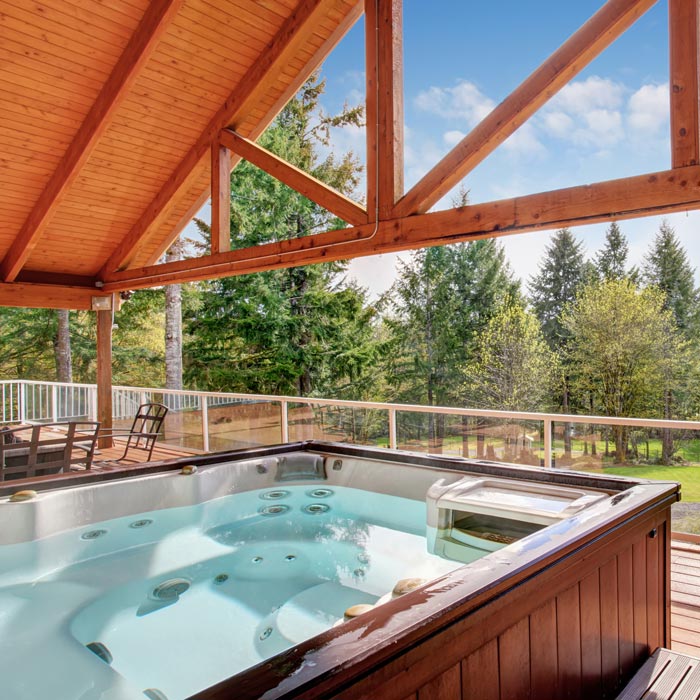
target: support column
220 198
104 374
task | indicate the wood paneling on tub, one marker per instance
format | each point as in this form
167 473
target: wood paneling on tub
577 629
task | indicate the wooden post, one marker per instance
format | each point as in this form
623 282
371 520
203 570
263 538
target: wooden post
220 198
384 56
104 374
683 40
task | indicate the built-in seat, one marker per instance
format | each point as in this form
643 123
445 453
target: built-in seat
665 675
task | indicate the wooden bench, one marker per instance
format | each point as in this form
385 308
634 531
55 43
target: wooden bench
49 448
665 675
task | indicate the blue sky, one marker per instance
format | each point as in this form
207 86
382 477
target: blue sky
462 58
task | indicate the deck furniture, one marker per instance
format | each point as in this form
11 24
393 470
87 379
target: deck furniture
143 433
665 675
48 448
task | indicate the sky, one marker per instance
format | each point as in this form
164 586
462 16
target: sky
462 58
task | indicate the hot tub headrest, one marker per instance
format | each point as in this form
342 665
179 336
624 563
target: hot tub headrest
301 467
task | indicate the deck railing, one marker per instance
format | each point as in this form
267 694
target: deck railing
212 421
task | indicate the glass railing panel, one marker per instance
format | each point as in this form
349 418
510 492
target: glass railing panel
507 440
350 424
240 423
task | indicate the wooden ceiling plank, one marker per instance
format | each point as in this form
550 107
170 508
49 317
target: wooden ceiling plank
562 66
642 195
45 296
138 50
293 34
294 177
684 27
220 198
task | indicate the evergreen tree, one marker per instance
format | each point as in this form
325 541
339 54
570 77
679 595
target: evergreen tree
667 267
295 331
562 274
441 299
556 284
611 261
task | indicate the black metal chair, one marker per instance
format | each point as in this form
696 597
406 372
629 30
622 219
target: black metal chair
143 433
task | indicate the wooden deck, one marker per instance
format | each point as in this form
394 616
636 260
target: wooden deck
685 595
160 452
667 675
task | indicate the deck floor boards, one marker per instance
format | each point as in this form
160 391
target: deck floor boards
685 597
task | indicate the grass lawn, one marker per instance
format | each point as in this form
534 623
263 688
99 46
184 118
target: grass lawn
689 477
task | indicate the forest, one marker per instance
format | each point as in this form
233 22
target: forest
593 336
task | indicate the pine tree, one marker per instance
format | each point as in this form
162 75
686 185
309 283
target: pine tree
667 267
562 274
442 298
556 284
611 261
300 330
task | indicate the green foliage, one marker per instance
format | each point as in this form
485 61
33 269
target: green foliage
26 343
557 283
513 368
623 347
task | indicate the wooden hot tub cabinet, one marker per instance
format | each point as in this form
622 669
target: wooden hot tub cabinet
573 617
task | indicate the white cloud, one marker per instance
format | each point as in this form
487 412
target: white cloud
463 101
452 138
525 141
648 108
558 124
592 93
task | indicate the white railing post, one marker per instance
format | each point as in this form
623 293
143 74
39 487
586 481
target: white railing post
392 429
22 401
54 403
92 394
547 427
284 419
205 423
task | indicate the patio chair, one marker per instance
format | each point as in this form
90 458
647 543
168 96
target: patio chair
143 433
49 448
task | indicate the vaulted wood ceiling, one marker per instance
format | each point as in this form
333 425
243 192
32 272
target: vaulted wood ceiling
119 118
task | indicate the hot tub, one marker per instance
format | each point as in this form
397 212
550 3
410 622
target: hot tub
233 581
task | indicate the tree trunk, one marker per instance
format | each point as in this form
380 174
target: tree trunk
465 436
173 330
620 433
567 426
667 434
61 346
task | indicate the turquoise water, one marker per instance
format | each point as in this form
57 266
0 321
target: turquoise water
257 573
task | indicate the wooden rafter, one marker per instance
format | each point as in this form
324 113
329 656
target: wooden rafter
666 191
139 49
565 63
297 179
294 33
220 198
684 28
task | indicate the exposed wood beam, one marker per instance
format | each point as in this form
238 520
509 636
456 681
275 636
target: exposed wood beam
154 22
46 296
684 26
294 33
220 198
385 128
311 65
563 65
62 279
642 195
297 179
